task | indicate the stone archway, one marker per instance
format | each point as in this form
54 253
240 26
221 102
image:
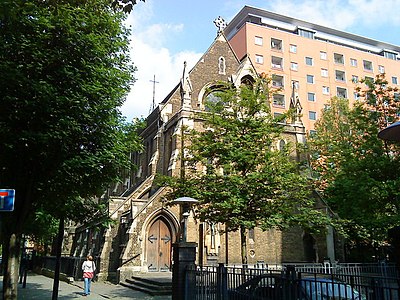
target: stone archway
159 238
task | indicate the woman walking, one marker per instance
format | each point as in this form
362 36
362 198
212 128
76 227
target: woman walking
88 268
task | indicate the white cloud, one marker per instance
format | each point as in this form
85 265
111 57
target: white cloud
151 57
151 61
341 14
150 37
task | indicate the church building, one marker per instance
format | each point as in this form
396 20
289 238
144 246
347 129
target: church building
141 238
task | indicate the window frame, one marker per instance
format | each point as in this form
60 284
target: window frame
259 59
313 96
278 100
279 44
368 63
339 61
274 65
341 89
340 75
309 76
258 40
309 61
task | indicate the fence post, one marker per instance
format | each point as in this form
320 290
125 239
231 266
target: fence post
184 257
290 282
222 282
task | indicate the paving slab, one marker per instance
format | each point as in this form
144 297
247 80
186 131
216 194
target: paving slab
40 287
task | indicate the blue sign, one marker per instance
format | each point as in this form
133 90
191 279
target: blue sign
7 199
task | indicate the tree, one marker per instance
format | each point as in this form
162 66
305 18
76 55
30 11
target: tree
240 178
357 171
64 71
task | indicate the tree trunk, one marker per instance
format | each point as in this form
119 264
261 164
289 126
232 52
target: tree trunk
243 243
60 238
11 263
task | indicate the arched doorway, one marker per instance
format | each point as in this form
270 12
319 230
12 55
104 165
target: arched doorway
158 246
310 248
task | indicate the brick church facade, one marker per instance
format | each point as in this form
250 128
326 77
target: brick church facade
141 238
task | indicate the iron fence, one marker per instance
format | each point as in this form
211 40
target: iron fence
290 283
70 266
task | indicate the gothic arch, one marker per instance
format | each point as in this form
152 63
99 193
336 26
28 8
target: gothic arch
159 232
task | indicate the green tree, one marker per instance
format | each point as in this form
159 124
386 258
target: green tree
237 173
64 71
358 172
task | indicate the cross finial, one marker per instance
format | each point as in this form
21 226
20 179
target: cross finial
220 23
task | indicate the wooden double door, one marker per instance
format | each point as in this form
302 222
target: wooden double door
159 240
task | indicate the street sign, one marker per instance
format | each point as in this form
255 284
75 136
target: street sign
7 199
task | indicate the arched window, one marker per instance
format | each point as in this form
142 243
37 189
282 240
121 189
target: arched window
281 145
211 99
247 80
221 65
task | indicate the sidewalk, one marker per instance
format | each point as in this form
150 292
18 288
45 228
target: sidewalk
39 287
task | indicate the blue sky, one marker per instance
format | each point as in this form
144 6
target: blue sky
167 33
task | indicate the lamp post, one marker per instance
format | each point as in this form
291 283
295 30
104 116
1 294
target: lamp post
184 255
185 206
391 133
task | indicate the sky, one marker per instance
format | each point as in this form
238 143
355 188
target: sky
166 33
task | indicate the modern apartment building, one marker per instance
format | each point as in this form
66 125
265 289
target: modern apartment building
319 62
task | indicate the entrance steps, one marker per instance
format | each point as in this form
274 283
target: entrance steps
154 284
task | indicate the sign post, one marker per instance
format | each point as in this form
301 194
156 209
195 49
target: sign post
7 199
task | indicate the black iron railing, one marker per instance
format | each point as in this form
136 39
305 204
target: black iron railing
239 283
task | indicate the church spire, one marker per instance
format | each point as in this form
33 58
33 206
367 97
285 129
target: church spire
295 105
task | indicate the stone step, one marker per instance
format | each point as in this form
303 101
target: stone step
152 285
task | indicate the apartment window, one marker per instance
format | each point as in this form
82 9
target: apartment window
338 58
369 79
340 75
294 66
277 81
367 65
323 55
381 69
354 78
390 55
309 61
324 72
311 97
353 62
312 115
276 44
277 62
312 132
341 92
396 96
325 90
310 78
295 84
394 80
305 33
279 100
258 40
356 96
259 59
293 48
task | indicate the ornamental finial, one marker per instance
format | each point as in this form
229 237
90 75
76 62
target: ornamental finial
220 23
